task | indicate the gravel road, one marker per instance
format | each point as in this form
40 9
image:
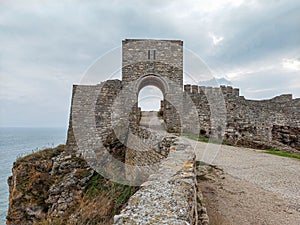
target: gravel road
276 174
269 184
258 188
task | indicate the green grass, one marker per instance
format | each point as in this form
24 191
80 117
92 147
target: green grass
195 137
283 154
118 192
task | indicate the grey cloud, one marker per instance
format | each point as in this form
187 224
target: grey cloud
252 34
47 46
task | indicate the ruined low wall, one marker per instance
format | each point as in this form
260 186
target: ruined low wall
244 122
170 195
287 135
145 149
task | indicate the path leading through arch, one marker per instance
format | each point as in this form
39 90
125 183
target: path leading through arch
151 120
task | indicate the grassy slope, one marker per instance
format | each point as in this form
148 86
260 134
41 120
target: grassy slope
283 154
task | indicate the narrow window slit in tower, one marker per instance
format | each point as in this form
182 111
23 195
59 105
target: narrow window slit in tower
154 54
149 54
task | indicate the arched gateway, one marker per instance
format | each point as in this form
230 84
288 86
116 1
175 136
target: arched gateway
158 63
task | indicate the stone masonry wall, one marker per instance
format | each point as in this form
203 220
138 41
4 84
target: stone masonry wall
144 151
287 135
170 194
247 122
96 133
167 52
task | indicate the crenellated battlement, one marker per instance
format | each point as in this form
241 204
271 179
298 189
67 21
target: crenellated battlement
227 91
247 120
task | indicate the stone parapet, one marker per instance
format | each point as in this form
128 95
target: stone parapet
170 195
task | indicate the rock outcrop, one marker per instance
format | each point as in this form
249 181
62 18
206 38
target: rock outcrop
53 187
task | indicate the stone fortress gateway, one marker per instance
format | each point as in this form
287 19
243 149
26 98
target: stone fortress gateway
217 112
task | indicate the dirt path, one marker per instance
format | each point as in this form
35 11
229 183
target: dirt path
253 188
231 201
151 120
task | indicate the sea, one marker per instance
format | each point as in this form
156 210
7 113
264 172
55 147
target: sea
18 142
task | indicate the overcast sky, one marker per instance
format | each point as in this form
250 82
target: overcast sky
47 45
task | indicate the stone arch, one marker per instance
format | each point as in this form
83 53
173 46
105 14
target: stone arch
154 80
170 91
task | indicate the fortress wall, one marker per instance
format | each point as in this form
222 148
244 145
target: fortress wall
196 96
170 195
99 125
82 115
252 123
145 149
91 123
99 97
248 122
171 117
287 135
71 141
295 112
